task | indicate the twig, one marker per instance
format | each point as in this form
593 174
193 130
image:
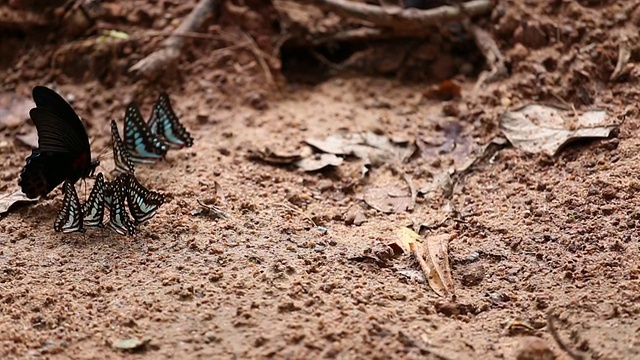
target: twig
168 54
552 329
408 340
491 53
412 189
299 212
215 209
259 55
624 54
407 19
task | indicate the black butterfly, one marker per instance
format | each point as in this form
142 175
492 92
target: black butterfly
119 220
143 147
69 217
63 151
165 124
93 208
123 163
143 203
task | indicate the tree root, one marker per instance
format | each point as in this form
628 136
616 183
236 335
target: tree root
167 56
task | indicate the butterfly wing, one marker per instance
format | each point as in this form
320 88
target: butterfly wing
66 119
142 146
63 151
123 163
93 208
143 203
165 123
119 220
69 217
43 172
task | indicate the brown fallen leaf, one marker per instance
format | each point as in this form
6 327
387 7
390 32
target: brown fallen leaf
14 110
8 200
388 199
433 258
318 162
132 344
30 138
546 129
372 148
279 157
446 90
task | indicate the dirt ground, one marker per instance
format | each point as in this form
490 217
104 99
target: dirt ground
285 276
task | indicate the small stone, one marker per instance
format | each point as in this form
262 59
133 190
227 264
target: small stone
473 274
534 348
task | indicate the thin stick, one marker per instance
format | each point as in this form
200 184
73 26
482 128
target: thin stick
168 54
404 19
259 55
552 329
215 209
299 212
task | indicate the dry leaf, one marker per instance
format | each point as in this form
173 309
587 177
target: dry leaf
14 110
446 90
405 238
280 157
318 162
433 259
372 148
6 201
132 344
440 280
545 129
389 199
30 138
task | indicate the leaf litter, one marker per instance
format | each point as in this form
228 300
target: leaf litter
14 110
546 129
433 258
8 200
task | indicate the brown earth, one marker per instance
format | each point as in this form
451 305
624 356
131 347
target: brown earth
280 277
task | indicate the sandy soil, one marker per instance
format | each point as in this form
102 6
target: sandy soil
278 279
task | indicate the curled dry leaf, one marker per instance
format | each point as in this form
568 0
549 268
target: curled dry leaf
388 199
132 344
546 129
433 258
14 110
8 200
372 148
30 138
319 161
279 157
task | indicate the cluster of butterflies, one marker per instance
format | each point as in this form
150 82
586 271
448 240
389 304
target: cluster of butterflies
64 155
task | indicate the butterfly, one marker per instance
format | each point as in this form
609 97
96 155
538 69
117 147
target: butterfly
121 159
143 203
143 147
119 220
69 217
93 208
165 124
63 151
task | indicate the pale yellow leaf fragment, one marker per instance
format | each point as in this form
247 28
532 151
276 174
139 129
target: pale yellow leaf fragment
406 237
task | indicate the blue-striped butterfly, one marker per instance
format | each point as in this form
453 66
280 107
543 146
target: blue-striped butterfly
119 220
165 124
121 159
143 147
143 203
69 217
93 208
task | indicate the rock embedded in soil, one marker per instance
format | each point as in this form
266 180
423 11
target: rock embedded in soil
534 348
